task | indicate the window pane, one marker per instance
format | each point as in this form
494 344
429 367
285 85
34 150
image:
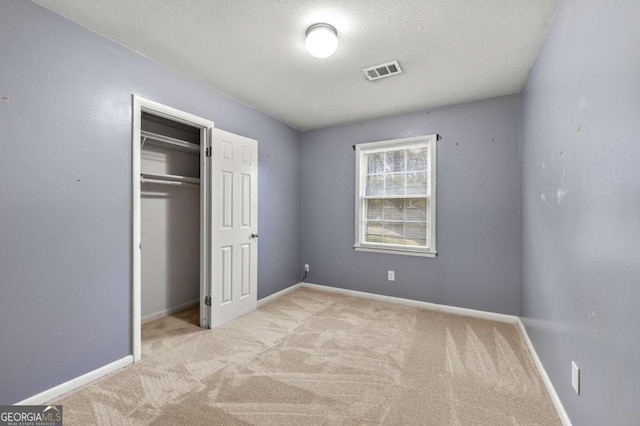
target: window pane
417 159
394 161
397 188
375 163
374 209
415 243
375 185
417 183
416 234
374 232
393 233
394 184
415 209
394 209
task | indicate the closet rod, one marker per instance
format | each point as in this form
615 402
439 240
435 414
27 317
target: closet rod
168 179
169 182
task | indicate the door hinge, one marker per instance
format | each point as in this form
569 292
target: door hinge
207 300
207 152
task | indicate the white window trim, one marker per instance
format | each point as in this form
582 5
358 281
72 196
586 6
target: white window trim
359 245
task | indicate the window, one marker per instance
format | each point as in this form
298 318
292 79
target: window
396 196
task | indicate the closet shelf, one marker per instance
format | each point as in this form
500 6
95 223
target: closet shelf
168 142
169 179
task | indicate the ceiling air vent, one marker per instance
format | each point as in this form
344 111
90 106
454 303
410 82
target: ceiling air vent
382 70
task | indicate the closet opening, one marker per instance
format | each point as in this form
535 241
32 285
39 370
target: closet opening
170 219
170 216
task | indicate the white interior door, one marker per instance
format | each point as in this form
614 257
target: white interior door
234 226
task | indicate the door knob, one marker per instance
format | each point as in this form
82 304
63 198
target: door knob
255 235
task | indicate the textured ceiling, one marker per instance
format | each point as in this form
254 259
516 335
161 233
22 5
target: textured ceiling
451 51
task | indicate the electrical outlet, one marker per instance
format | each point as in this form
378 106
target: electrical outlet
306 267
391 275
575 377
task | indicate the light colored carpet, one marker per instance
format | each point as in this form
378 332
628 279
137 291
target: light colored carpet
318 358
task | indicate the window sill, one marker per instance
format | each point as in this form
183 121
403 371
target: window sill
431 254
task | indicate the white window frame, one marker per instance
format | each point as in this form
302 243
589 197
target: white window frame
364 148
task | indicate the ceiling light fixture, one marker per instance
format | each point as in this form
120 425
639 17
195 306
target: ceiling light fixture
322 40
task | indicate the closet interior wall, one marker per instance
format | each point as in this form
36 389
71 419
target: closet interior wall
170 221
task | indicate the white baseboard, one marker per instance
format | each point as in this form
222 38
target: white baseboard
278 294
564 418
511 319
73 384
169 311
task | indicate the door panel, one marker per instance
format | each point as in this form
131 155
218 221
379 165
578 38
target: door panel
234 226
226 200
246 200
226 273
245 282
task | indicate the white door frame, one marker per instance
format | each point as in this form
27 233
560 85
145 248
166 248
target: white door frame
141 105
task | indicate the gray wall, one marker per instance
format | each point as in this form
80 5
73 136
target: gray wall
581 208
65 197
478 208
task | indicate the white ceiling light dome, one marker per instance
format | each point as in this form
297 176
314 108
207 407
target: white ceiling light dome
322 40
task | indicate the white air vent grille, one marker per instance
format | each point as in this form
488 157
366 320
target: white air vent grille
382 70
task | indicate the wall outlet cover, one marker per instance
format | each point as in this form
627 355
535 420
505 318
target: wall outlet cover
391 275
